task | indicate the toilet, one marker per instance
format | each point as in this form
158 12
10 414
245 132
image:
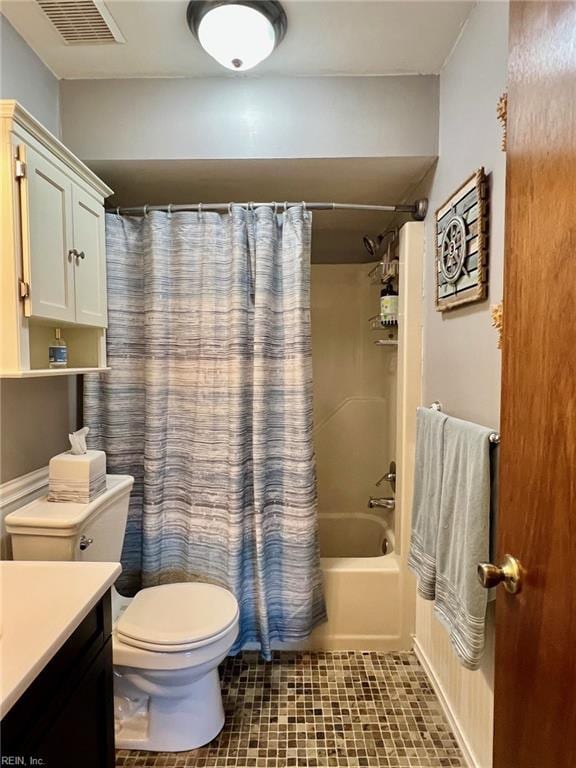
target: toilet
167 641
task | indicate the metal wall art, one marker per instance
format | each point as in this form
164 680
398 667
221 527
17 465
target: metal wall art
462 245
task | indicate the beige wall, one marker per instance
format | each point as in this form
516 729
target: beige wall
252 117
34 418
35 414
25 78
354 388
461 360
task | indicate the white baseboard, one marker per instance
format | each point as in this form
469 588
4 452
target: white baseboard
445 704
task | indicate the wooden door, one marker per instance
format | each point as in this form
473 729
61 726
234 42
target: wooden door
46 213
89 259
535 688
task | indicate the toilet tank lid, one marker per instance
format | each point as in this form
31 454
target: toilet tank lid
56 518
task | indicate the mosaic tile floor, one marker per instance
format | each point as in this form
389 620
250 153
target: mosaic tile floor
321 709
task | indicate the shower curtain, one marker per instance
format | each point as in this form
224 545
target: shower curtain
209 406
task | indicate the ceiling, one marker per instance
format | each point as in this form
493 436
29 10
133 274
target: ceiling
334 37
337 235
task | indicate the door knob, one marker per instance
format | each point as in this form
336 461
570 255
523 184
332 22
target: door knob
509 573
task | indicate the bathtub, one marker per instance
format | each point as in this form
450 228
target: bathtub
361 583
358 536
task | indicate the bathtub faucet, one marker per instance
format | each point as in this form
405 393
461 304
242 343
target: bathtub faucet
390 477
386 503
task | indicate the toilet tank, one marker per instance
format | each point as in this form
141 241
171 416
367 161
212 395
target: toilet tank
49 530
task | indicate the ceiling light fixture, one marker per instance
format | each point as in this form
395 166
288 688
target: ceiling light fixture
239 34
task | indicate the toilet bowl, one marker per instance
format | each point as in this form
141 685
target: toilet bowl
167 644
167 641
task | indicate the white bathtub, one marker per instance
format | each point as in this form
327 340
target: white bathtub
362 585
359 535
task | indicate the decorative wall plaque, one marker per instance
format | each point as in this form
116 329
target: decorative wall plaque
462 245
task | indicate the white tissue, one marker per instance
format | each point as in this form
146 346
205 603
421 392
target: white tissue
78 441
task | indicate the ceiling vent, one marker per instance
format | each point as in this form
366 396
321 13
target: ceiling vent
82 22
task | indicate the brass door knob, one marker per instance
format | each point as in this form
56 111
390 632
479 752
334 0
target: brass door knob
509 574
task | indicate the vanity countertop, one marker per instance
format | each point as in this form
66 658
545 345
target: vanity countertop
41 604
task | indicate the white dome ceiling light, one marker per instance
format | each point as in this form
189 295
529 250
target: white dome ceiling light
239 34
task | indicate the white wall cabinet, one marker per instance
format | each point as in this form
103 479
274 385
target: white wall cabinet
89 258
46 218
54 260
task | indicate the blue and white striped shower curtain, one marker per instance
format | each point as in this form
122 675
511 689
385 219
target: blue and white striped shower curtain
209 406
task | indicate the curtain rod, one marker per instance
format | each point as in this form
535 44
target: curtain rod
417 209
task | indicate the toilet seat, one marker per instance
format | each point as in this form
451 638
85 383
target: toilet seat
175 618
146 645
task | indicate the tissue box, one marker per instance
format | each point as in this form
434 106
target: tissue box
78 479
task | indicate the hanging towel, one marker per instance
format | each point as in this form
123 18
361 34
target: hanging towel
427 497
463 537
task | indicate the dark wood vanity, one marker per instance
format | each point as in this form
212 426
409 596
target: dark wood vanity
65 719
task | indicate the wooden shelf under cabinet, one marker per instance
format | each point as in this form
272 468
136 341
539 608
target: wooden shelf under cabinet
49 372
86 351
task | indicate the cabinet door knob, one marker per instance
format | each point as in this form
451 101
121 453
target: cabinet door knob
73 253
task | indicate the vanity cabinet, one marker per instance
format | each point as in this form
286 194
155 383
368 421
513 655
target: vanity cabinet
54 264
66 717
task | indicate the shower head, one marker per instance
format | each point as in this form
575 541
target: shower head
373 245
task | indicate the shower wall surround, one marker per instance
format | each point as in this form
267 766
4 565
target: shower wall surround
366 398
354 388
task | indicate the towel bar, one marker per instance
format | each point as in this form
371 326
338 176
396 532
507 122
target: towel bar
494 437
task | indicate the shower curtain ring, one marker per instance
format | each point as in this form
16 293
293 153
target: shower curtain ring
146 211
275 208
304 211
285 206
200 212
251 206
118 211
230 209
169 210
